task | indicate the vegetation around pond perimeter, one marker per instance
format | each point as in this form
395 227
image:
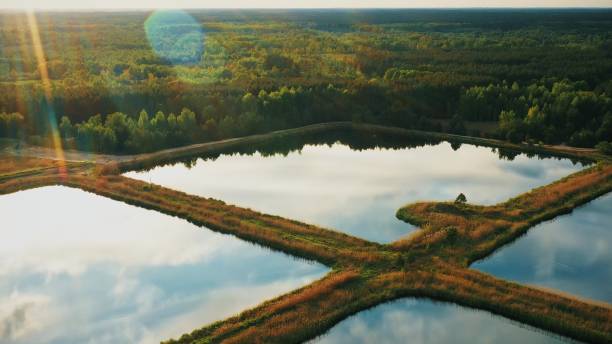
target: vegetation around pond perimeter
432 263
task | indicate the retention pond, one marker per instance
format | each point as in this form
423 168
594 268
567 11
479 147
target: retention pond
355 182
572 253
421 321
79 268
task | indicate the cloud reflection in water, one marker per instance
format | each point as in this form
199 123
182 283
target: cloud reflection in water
571 253
419 321
359 191
80 268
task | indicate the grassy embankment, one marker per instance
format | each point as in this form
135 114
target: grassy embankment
433 263
13 168
486 228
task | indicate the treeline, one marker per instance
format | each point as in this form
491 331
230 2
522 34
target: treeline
547 111
12 125
242 115
260 71
119 132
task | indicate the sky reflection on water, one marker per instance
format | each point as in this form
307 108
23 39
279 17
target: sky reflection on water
80 268
572 253
359 191
420 321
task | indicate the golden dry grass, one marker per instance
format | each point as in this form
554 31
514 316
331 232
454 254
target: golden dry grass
11 164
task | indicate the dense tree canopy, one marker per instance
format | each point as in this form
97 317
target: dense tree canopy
549 111
169 78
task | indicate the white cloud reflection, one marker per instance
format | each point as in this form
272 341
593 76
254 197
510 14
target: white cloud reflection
21 314
359 191
47 223
424 322
571 253
79 268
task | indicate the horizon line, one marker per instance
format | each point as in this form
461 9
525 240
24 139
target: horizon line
93 9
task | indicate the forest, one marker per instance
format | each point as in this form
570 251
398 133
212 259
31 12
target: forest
142 81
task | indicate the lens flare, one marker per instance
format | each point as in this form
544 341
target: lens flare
39 53
180 41
19 55
175 37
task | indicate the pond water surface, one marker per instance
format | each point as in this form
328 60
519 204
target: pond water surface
572 253
419 321
358 190
79 268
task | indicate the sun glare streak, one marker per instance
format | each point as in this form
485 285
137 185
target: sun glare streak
46 82
19 55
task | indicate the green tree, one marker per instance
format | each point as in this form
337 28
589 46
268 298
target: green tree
461 199
159 122
120 127
11 124
583 138
143 120
511 126
65 127
187 124
604 147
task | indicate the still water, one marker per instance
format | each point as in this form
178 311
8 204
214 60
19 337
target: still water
572 253
358 190
419 321
79 268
